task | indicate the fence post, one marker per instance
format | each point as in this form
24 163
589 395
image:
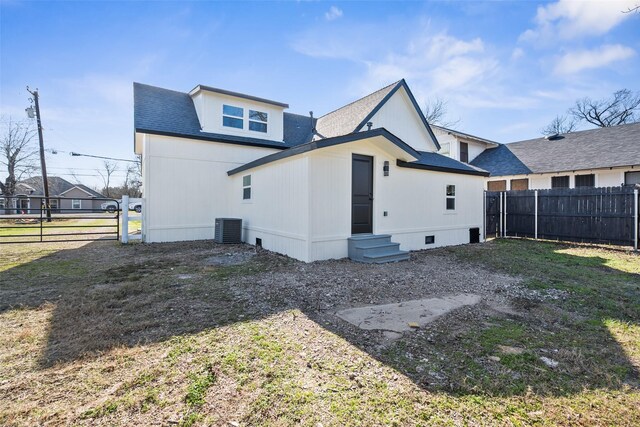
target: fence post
505 215
125 219
635 222
484 210
500 214
535 193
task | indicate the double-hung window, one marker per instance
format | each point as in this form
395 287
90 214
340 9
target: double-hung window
232 116
246 187
451 197
76 204
258 121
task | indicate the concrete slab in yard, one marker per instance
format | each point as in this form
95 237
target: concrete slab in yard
404 315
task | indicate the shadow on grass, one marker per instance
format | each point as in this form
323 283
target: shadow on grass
107 296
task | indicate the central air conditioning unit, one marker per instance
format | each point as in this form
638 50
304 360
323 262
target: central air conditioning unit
228 230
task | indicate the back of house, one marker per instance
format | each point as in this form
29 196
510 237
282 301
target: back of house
364 175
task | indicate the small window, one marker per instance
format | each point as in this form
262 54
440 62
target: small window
429 240
258 121
53 204
464 152
497 185
232 116
586 180
632 178
451 197
76 204
560 182
246 187
520 184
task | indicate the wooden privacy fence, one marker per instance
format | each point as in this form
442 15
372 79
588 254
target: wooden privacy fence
595 215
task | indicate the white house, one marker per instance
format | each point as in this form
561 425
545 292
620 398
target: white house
360 181
459 145
602 157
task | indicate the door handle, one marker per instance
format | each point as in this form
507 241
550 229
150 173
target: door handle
370 196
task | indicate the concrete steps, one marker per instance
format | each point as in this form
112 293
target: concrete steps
375 249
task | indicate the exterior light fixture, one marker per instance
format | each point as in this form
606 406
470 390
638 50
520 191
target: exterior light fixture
385 168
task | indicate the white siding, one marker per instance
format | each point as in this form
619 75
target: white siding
186 185
475 149
414 201
400 118
209 109
278 212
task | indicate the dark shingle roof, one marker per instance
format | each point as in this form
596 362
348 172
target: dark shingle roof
442 163
327 142
168 112
33 186
346 119
589 149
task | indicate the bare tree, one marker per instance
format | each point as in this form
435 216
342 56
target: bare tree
133 178
559 125
622 107
436 111
16 153
632 9
108 169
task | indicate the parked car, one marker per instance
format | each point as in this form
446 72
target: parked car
136 206
111 206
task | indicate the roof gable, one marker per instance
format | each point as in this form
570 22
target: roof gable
348 119
399 114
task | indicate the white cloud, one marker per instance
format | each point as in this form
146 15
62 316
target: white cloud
333 13
517 53
574 62
569 19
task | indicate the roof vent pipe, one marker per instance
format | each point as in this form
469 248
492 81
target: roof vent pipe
369 124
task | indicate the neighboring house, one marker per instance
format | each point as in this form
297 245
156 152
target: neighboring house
64 196
602 157
459 145
303 186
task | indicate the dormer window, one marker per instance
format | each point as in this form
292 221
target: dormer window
258 121
232 116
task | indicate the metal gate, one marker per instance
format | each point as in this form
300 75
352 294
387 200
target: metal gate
28 219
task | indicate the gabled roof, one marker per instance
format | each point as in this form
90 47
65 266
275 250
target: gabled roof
441 163
327 142
57 186
167 112
353 117
464 135
590 149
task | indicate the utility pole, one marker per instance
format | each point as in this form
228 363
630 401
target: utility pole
43 165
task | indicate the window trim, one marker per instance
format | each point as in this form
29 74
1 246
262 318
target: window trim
231 116
258 121
448 197
245 187
73 203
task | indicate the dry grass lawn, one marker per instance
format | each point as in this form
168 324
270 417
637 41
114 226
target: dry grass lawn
103 334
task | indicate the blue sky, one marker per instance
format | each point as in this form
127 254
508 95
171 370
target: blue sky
505 68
